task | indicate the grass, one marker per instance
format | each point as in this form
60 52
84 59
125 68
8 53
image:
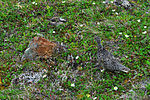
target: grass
123 32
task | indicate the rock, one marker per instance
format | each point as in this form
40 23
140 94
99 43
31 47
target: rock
123 3
57 21
28 77
40 47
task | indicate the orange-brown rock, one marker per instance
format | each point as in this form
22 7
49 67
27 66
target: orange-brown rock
44 47
40 47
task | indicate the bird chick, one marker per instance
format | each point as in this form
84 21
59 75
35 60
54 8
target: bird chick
107 60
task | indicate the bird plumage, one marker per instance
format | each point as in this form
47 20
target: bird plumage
107 60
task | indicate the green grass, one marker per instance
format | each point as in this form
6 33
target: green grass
19 23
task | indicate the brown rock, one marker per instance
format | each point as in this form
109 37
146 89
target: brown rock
45 48
40 47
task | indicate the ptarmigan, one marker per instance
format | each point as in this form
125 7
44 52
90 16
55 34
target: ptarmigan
107 60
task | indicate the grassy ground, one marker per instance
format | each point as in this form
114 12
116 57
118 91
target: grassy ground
123 32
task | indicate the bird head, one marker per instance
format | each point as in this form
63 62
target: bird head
98 40
124 69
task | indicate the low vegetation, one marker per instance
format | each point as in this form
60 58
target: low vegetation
124 32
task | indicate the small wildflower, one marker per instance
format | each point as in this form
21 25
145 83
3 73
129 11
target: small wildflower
93 3
104 1
88 95
77 57
81 25
116 13
115 88
102 70
126 35
72 85
98 23
113 10
135 36
139 20
120 33
94 98
63 1
145 26
44 76
33 2
144 32
54 32
111 1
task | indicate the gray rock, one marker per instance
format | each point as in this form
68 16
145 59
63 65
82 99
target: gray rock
124 3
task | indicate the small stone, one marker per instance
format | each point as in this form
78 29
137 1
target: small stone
44 76
39 47
144 32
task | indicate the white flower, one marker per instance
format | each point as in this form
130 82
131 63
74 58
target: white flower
102 70
126 35
139 20
104 1
93 3
98 23
33 2
44 76
54 32
120 33
77 57
81 25
115 88
72 85
145 26
94 98
144 32
63 1
116 13
111 1
113 10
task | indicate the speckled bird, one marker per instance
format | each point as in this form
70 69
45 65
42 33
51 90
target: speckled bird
107 60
